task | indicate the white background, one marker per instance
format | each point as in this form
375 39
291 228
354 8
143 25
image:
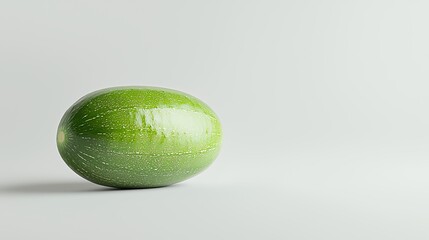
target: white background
323 104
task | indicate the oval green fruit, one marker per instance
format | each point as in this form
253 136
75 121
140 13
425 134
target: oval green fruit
138 137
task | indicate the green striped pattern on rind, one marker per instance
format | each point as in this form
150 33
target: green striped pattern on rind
138 137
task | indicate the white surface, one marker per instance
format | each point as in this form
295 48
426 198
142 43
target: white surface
323 103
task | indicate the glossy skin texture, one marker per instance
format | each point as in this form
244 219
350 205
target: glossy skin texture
138 137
